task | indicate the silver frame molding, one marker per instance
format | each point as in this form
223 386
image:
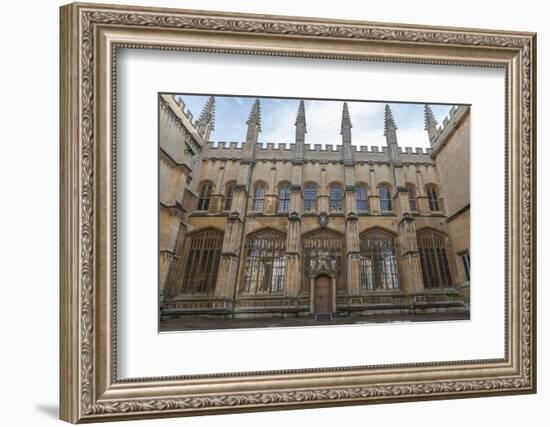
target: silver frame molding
90 37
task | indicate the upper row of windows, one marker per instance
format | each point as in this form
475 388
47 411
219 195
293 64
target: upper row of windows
336 197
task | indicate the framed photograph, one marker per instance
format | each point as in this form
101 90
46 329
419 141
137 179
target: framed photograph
267 212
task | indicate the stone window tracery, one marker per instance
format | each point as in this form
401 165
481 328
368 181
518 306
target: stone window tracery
229 196
310 197
265 263
385 198
378 264
361 200
433 199
433 259
284 198
202 262
259 196
411 190
205 191
336 196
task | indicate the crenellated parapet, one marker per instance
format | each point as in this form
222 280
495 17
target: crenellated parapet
184 118
447 128
224 150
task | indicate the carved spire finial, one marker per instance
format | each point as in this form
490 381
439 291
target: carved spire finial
254 123
345 131
301 131
208 112
389 122
206 119
430 123
301 116
255 116
346 119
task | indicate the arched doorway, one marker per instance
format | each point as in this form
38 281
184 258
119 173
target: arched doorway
323 289
322 299
324 248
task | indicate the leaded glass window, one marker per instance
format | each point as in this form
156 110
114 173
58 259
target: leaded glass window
433 200
385 197
203 260
412 197
258 200
284 198
336 197
265 263
310 197
229 196
361 201
205 191
378 266
433 259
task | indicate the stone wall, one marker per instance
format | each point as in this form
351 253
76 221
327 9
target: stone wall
245 165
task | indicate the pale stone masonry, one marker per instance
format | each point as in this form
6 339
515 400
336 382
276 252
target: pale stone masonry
377 253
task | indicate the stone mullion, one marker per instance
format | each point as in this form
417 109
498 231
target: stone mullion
322 191
421 197
293 276
374 198
216 198
411 278
231 249
349 200
174 277
403 204
293 272
352 242
271 196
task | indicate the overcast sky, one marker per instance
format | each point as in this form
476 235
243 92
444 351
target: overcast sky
323 119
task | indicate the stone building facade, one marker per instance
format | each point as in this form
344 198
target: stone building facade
254 230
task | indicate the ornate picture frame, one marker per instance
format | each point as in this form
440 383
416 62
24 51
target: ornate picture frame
90 388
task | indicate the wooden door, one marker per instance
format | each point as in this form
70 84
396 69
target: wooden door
323 295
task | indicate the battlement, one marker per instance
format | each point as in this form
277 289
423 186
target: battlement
320 149
327 148
415 150
270 146
450 118
450 122
314 152
182 113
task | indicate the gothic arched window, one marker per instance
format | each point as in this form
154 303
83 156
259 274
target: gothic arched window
258 199
433 199
229 189
385 197
310 197
411 190
378 268
203 259
205 191
284 198
265 263
361 201
336 197
433 259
